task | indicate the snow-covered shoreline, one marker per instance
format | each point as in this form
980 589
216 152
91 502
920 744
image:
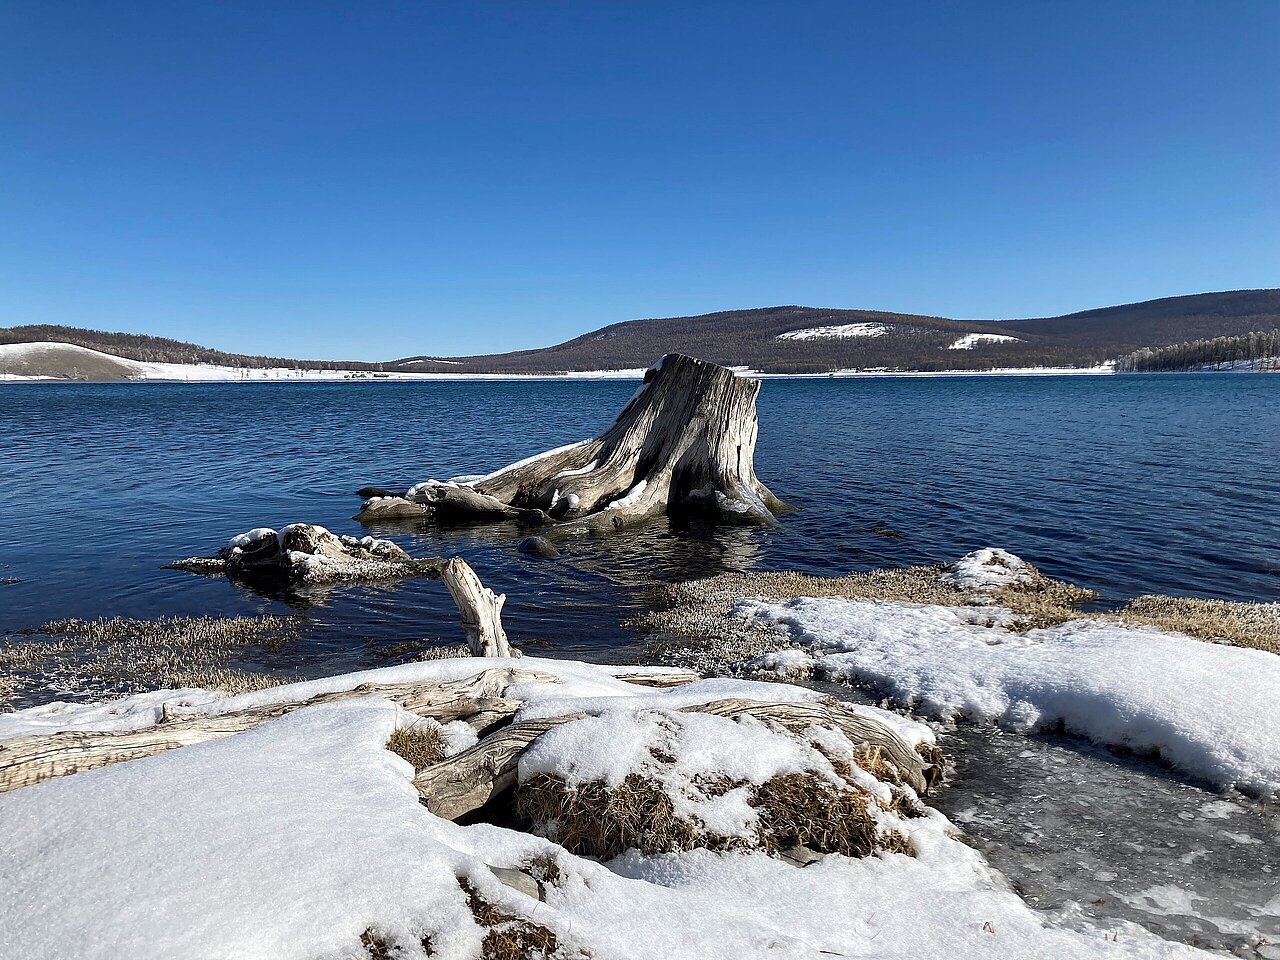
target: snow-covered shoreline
140 372
304 837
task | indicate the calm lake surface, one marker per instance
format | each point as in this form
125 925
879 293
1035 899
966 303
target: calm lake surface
1125 484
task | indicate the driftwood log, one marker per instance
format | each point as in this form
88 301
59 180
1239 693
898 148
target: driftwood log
467 781
919 767
478 700
481 610
26 760
684 444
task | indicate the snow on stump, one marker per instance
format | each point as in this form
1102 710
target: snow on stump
685 443
305 553
674 781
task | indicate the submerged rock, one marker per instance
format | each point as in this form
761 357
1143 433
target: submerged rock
308 553
538 547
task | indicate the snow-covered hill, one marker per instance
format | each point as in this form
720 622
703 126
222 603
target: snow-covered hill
47 360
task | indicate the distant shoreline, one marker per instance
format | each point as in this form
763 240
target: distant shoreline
52 362
312 376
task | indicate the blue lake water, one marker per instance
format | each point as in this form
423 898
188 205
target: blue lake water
1125 484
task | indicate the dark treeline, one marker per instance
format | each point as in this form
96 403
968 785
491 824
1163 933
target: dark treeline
1260 349
148 349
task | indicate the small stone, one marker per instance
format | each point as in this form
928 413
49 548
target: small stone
799 856
519 881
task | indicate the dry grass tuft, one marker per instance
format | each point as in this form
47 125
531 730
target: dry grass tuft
120 656
876 762
545 869
420 745
377 947
802 809
692 624
594 820
1255 625
413 651
509 937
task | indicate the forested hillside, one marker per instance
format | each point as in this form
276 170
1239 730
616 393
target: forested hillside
1159 323
794 339
789 339
1257 351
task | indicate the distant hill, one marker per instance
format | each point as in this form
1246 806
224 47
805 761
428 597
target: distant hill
1159 323
148 349
777 340
62 361
787 339
794 339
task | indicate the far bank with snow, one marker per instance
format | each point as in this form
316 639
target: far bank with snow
61 362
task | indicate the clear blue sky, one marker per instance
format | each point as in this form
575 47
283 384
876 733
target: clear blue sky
371 179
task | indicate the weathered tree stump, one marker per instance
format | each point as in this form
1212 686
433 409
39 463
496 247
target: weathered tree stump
684 444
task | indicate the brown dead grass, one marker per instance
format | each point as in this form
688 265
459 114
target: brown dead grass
875 761
545 869
509 937
118 655
594 820
804 809
1255 625
800 810
691 623
421 745
413 651
377 947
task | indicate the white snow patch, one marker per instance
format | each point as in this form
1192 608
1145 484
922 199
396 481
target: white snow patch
242 540
971 340
1203 707
288 841
630 497
987 569
786 665
580 471
842 331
